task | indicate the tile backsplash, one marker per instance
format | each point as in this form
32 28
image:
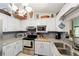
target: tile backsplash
49 35
8 35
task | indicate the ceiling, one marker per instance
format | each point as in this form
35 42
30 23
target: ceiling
49 7
39 7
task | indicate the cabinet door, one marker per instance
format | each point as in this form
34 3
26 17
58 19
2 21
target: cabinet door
42 21
37 47
4 21
16 24
45 48
8 50
51 24
42 48
18 46
10 23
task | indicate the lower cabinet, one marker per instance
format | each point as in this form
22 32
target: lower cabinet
18 47
12 49
8 50
42 48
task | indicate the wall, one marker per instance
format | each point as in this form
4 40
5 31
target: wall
8 36
51 35
68 20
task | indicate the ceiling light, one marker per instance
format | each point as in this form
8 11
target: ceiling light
29 9
13 7
21 12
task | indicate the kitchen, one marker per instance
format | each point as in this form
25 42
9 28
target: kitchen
39 29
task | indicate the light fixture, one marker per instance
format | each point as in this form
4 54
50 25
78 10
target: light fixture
13 7
21 12
29 9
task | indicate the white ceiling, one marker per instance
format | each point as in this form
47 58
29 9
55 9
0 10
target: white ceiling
40 7
46 7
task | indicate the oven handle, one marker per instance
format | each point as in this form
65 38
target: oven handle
31 44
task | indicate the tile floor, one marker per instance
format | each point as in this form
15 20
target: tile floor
22 54
26 53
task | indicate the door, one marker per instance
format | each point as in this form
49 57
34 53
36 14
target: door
18 46
45 48
42 48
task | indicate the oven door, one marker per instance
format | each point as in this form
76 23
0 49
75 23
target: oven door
28 43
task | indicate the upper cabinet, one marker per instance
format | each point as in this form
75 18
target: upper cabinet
10 23
51 24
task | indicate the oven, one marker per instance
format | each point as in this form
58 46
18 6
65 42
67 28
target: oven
29 42
41 28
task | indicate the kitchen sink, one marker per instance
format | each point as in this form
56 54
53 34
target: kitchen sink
64 49
65 52
75 54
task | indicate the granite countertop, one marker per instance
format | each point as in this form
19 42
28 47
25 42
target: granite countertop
42 40
8 41
46 39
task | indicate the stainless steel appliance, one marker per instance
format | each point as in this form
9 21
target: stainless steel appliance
41 28
31 29
28 42
0 37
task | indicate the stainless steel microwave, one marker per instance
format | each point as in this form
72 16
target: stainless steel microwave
41 28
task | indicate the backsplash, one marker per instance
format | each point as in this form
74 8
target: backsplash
9 36
49 35
52 35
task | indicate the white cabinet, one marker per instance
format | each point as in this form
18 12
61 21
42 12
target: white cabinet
51 24
12 49
8 50
42 21
28 22
4 21
18 47
42 48
15 24
10 23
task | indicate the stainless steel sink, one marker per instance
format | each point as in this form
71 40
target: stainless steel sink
65 52
63 48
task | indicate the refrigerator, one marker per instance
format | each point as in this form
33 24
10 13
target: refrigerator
0 36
